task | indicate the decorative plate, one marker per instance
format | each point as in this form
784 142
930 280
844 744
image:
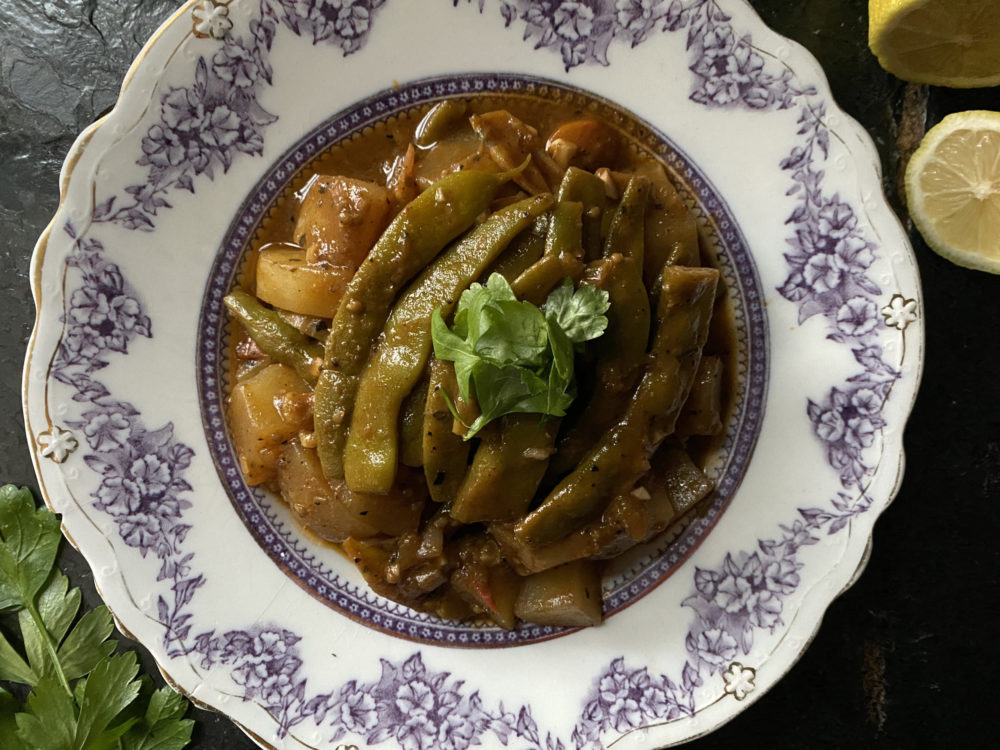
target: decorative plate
245 614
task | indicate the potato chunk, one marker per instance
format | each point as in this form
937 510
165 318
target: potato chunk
396 512
313 501
287 280
569 595
341 218
265 410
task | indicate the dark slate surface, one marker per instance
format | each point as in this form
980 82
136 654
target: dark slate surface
903 659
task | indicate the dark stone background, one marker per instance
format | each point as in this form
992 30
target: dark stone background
905 658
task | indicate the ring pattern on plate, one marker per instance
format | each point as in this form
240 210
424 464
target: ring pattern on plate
286 544
141 469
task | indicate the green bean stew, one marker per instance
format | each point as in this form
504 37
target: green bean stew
477 348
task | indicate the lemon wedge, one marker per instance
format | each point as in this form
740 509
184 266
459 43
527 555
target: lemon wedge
953 189
941 42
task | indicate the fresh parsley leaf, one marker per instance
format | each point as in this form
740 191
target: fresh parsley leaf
560 378
580 313
87 643
513 357
50 721
8 722
162 727
506 390
58 605
110 688
454 348
29 539
99 712
512 333
13 667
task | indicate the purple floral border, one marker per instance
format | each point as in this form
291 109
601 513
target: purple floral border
205 126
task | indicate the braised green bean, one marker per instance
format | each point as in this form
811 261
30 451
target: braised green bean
619 358
370 453
671 488
439 121
522 252
587 189
506 469
535 284
562 256
420 231
626 235
565 235
411 424
445 453
279 340
612 466
671 229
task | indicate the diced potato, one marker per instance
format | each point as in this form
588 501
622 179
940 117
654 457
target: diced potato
341 218
569 595
396 512
313 501
683 481
286 280
261 419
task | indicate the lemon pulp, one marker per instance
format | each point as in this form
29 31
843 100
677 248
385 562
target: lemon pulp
942 42
953 188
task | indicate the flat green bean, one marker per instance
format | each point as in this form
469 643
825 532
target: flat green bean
561 258
439 121
620 357
535 284
411 424
671 229
565 236
276 338
587 189
620 457
526 248
506 469
626 235
417 234
445 453
370 453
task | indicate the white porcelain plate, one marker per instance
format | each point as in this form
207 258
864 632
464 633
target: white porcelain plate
243 612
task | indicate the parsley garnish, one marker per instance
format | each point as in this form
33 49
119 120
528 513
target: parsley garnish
514 357
83 695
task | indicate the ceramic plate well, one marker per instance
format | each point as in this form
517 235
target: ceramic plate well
122 379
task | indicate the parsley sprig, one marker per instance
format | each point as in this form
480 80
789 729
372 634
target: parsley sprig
512 356
83 695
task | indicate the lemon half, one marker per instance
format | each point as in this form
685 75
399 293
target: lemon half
940 42
953 189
